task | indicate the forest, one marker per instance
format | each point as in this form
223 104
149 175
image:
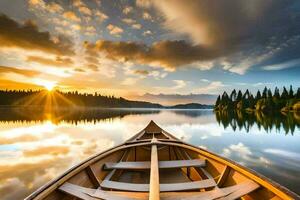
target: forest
265 101
67 99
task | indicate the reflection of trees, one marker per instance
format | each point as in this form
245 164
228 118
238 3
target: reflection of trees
74 116
193 113
244 120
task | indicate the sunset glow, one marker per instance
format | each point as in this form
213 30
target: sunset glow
168 51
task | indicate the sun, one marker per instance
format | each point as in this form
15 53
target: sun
49 85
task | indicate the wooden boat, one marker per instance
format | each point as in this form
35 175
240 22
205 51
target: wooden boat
155 165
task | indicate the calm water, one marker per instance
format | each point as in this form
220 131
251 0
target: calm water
36 146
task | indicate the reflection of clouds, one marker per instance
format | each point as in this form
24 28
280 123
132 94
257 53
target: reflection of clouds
284 153
240 149
244 155
48 150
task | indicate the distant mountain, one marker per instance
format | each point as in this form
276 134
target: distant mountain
191 106
173 99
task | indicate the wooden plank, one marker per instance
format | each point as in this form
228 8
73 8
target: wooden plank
209 195
93 176
125 186
128 165
162 164
154 175
246 189
163 187
223 176
95 194
181 163
76 191
207 183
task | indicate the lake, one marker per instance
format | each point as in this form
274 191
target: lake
38 145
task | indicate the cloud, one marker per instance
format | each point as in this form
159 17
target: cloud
24 72
58 61
211 87
100 16
147 16
166 54
114 30
71 16
85 10
128 21
127 10
27 36
148 32
141 72
253 31
179 84
284 65
136 26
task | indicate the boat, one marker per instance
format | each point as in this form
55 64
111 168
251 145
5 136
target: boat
154 165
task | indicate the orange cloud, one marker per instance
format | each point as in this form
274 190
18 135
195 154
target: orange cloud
71 16
47 150
58 61
24 72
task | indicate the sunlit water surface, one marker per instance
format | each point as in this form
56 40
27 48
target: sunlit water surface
34 152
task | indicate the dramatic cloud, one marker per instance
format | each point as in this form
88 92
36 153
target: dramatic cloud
254 30
24 72
166 54
58 61
27 36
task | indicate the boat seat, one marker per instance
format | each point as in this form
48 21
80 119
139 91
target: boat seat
96 194
163 187
227 193
161 164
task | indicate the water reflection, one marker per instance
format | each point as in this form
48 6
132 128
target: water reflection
288 121
36 146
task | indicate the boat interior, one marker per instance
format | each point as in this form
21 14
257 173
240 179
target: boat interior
156 165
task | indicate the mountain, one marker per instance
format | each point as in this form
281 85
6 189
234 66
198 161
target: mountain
190 106
173 99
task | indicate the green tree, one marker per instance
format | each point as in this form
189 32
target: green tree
239 96
265 93
233 95
291 92
284 94
258 95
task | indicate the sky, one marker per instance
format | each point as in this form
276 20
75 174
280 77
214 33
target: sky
130 48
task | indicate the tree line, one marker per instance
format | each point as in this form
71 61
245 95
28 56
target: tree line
265 101
67 99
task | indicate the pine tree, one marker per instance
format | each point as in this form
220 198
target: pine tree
218 101
298 94
264 94
258 95
291 92
284 94
269 94
233 95
239 96
276 93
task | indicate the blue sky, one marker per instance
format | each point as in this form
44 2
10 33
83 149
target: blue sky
129 48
